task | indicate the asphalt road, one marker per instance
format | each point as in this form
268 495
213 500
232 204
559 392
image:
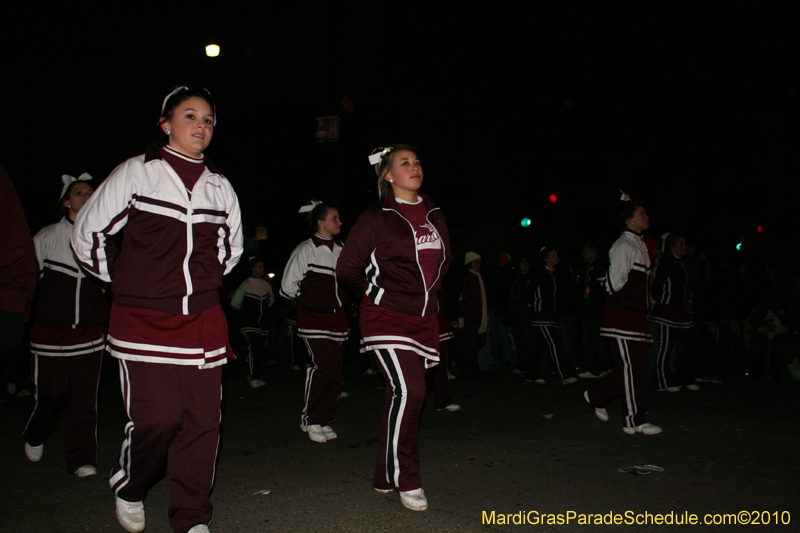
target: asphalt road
516 450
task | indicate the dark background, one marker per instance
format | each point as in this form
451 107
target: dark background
693 110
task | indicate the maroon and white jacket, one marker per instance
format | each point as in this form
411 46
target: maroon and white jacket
628 285
543 297
380 258
310 277
254 298
67 296
71 309
669 291
176 246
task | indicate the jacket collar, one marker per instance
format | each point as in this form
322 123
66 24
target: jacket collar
632 234
390 202
152 153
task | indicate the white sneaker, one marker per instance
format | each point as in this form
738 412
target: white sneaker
130 515
647 428
414 500
34 453
330 434
587 375
570 381
450 376
199 528
383 491
599 412
344 394
669 389
693 387
256 383
517 371
452 407
315 432
86 471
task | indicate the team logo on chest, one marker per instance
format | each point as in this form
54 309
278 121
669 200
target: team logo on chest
427 236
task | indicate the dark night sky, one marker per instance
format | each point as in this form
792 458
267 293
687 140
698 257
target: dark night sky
694 111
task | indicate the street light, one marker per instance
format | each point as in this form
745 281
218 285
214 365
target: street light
212 50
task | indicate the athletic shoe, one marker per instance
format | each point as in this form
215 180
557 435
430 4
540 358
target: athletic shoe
647 428
414 500
34 453
452 407
570 381
450 376
599 412
383 491
130 515
330 434
587 375
86 471
343 394
200 528
369 372
692 386
516 371
295 367
669 389
256 383
315 432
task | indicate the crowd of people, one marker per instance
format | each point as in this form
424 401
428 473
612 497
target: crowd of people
420 317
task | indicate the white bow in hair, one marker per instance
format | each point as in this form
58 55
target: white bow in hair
375 159
67 179
307 208
624 197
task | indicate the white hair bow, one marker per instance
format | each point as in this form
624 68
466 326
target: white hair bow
624 197
310 207
375 159
67 179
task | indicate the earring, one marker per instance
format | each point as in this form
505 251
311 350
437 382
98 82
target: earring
391 181
168 132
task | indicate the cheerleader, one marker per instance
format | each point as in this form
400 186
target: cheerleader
670 315
254 298
624 323
543 297
310 278
397 253
183 232
67 340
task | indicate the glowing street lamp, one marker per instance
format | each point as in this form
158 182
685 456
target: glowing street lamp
212 50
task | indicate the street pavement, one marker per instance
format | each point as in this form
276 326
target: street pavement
518 450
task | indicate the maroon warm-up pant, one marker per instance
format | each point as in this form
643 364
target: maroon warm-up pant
174 413
547 335
628 379
59 381
398 450
685 364
441 381
323 381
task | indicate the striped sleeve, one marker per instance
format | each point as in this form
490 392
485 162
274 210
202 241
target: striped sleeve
103 215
